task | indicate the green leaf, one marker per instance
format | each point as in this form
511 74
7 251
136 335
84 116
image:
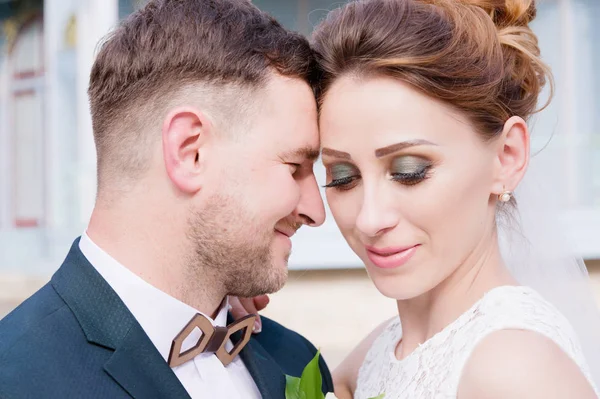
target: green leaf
310 382
292 387
379 397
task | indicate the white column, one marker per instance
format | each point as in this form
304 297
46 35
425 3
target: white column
5 145
58 106
568 104
96 18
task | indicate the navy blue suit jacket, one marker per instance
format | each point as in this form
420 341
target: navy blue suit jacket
75 338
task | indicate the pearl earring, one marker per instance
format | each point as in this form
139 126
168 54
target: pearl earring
505 196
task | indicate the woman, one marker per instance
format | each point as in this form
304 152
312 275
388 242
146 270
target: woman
423 110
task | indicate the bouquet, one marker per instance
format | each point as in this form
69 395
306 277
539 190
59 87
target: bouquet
308 386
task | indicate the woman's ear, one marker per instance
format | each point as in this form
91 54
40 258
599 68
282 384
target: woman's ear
512 155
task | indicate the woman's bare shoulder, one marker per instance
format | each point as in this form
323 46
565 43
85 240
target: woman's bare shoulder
519 364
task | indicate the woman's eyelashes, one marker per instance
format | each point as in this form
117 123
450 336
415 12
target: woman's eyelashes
410 170
407 170
343 176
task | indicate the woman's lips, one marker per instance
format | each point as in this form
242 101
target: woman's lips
391 257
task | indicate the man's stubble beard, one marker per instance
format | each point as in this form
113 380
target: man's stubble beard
232 252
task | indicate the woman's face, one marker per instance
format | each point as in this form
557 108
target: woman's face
409 183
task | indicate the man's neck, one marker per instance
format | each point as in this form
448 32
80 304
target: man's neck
158 256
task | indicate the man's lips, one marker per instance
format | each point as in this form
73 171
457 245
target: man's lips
286 232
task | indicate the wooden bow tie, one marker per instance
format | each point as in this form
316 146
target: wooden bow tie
213 340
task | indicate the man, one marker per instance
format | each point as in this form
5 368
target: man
206 133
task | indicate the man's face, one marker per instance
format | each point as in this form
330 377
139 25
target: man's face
262 189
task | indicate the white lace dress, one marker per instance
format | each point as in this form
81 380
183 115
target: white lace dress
433 370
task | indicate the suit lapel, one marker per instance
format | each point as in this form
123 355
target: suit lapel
136 365
267 374
142 373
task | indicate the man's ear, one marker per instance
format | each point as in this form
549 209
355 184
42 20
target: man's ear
185 133
512 155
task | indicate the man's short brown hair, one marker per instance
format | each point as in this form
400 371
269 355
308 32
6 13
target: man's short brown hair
169 46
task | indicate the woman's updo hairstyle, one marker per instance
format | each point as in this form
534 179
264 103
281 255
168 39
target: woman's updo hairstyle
479 56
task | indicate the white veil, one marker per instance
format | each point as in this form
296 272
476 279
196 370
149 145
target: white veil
536 248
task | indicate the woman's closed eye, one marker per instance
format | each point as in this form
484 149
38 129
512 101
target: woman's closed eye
410 170
407 170
342 176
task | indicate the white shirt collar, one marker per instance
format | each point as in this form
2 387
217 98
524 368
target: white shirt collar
161 316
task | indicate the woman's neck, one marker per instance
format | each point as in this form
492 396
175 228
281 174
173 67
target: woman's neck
424 316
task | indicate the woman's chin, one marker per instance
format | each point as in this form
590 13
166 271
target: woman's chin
398 288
